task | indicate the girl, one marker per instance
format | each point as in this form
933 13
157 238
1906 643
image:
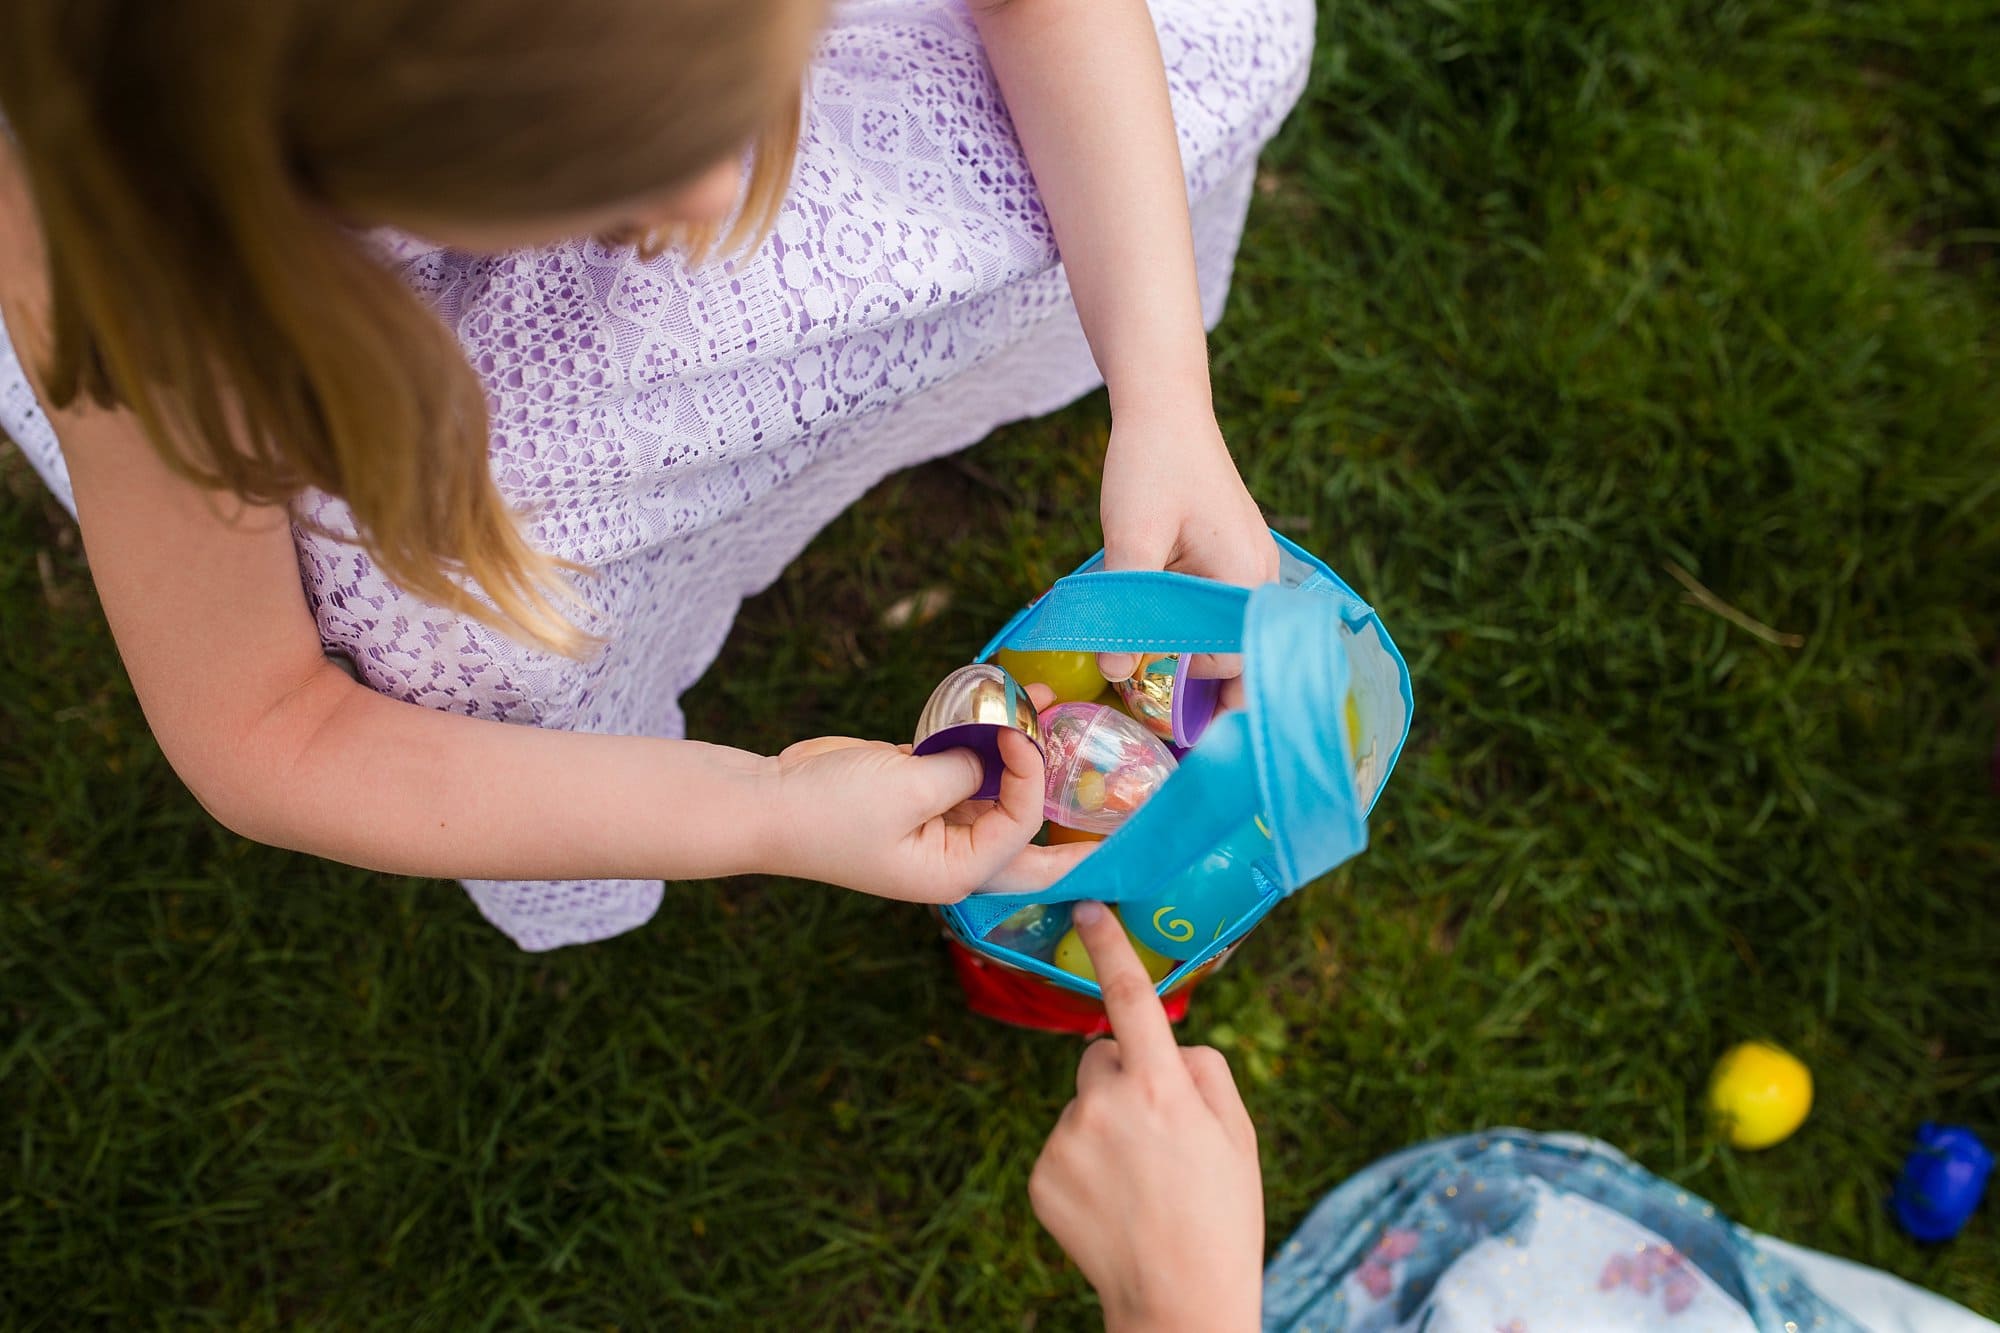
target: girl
431 381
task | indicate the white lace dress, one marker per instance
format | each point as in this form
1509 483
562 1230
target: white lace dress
685 433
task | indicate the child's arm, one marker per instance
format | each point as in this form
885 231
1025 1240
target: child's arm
281 746
1087 91
203 598
285 748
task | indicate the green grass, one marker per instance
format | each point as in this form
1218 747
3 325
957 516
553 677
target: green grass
1537 299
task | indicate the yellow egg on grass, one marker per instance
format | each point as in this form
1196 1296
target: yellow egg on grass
1759 1094
1073 676
1074 959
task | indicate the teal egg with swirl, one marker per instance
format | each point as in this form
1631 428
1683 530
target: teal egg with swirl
1201 903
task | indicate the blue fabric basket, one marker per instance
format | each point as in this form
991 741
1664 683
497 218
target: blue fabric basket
1286 757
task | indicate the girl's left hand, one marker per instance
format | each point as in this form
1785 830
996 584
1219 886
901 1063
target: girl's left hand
1172 499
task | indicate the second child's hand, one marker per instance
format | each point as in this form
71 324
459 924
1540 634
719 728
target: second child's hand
1150 1179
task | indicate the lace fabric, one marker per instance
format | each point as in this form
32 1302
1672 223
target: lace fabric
684 432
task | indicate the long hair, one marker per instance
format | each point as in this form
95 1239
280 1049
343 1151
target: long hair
202 169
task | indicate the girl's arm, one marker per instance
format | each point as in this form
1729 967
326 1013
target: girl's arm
1087 91
285 748
202 594
203 598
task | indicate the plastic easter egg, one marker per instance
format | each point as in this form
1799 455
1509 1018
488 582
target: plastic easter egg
1035 930
968 710
1759 1094
1149 695
1101 766
1073 958
1204 900
1073 676
1942 1181
1057 835
1172 704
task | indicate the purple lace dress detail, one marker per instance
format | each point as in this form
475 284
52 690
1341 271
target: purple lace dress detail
686 432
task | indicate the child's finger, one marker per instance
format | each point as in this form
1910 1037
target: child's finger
999 835
1217 1085
1145 1038
1099 1062
1115 667
945 779
1040 695
1023 780
1036 868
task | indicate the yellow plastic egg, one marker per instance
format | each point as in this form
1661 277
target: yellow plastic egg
1073 676
1759 1094
1074 959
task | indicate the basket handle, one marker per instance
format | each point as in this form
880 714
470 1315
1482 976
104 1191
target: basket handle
1155 611
1296 679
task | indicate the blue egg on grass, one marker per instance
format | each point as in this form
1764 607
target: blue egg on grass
1941 1182
1205 900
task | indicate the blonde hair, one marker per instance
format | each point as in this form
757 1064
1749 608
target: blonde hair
200 170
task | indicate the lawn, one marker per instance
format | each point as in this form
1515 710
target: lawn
1545 310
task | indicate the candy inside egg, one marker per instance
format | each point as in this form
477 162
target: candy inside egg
1101 766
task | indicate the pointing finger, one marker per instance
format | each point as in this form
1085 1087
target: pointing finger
1138 1019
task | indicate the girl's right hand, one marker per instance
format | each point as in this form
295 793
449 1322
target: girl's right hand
871 816
1150 1178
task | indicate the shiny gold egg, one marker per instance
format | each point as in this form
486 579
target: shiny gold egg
969 709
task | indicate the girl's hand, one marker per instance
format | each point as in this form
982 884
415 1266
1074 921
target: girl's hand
1172 499
871 816
1150 1179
